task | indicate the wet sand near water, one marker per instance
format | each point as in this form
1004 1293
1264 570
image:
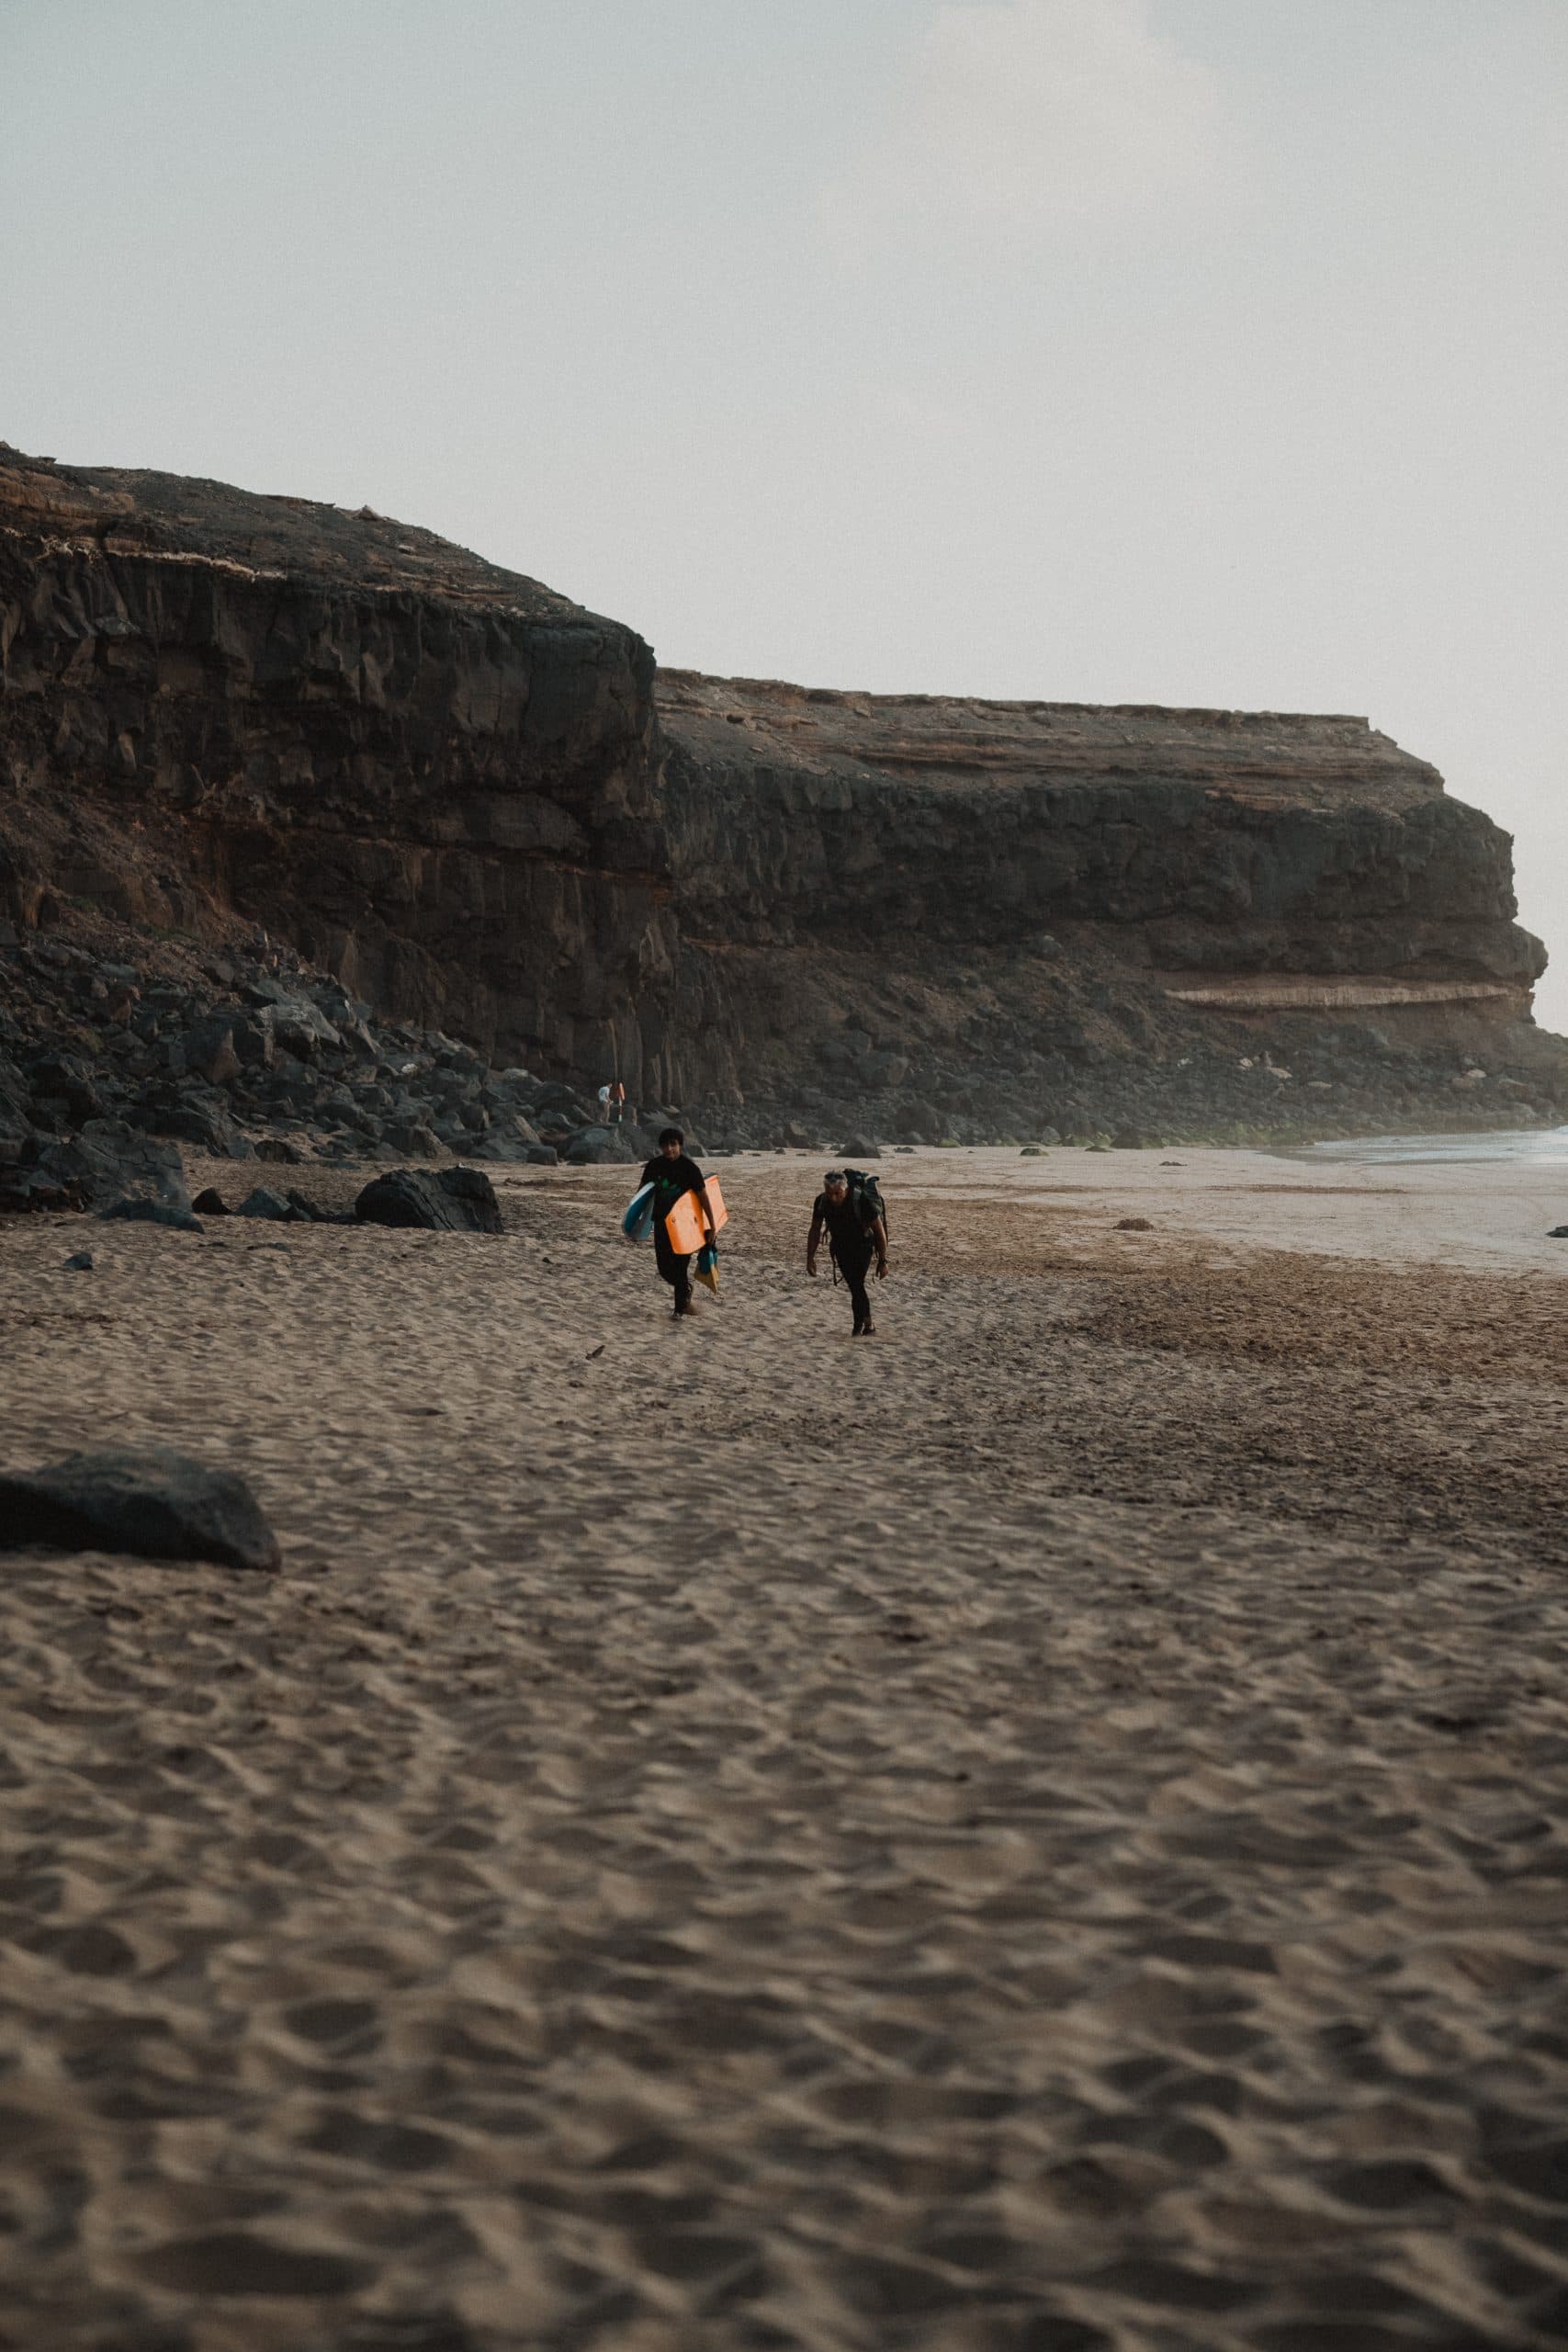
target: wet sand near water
1486 1216
1046 1829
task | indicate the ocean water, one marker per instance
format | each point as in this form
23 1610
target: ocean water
1538 1146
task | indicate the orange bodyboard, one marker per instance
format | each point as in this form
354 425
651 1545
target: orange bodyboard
684 1222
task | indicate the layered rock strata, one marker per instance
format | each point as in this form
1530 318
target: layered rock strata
476 806
431 776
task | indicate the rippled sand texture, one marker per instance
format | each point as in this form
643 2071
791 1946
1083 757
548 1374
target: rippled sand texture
1047 1830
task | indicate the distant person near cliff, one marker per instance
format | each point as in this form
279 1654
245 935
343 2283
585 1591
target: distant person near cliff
850 1208
672 1175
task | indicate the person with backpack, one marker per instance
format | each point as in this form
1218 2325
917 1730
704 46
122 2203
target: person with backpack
672 1175
850 1207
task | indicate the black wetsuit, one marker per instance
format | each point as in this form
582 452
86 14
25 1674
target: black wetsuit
852 1245
672 1180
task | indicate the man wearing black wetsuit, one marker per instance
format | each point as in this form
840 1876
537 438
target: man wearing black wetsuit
852 1242
672 1176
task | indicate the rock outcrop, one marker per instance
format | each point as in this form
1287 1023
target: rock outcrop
1238 861
477 808
433 778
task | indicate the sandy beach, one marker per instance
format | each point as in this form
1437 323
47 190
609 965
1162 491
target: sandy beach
1045 1830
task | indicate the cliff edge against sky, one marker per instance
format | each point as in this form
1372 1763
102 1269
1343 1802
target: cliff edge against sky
481 807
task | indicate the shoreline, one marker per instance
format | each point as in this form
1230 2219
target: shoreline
1485 1215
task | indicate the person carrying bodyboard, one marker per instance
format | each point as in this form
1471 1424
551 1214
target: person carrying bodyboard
672 1175
850 1207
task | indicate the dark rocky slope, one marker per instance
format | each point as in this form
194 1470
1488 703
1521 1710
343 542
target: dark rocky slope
472 805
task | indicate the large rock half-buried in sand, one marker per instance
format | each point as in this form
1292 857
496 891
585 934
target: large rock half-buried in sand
150 1501
435 1199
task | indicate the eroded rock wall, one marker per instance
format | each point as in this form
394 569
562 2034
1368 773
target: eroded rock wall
1198 840
1029 888
475 804
433 778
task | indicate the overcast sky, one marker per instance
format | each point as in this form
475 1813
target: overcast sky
1185 351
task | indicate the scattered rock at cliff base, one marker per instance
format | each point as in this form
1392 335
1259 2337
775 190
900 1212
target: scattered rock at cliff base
434 1200
293 1022
108 1162
211 1052
263 1203
211 1130
66 1078
509 1140
599 1147
1557 1233
210 1203
150 1501
139 1211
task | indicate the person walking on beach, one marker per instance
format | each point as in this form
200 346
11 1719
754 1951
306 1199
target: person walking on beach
857 1233
672 1176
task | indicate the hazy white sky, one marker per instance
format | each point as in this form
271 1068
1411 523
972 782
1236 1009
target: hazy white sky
1188 351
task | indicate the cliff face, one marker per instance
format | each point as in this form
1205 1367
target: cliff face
473 802
1182 864
1213 840
431 776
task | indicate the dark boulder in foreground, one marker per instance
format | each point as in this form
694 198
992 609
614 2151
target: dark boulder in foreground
433 1199
150 1501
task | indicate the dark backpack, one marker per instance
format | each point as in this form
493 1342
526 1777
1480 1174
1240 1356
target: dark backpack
866 1194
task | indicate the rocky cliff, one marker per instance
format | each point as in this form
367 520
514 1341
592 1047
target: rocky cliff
478 806
433 776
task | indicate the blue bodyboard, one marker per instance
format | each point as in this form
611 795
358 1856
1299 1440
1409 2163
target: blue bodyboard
638 1222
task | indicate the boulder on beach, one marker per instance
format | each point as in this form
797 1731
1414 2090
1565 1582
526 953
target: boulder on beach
264 1203
599 1147
150 1501
431 1200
